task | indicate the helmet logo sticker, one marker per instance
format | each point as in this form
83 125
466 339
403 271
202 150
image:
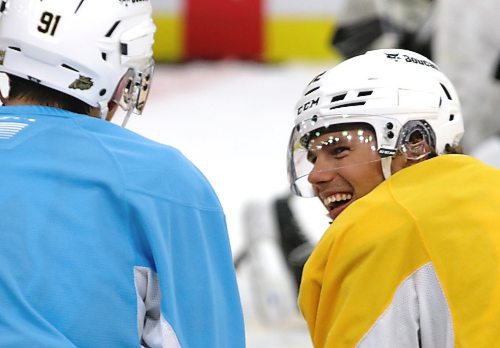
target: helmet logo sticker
384 152
308 105
83 83
394 56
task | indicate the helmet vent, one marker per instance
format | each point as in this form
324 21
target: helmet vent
15 48
348 104
452 117
124 49
69 67
3 5
338 97
312 90
446 91
104 56
364 93
112 29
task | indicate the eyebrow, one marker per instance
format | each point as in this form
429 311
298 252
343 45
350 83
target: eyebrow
338 140
333 140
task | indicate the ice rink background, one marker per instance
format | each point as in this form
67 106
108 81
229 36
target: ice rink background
233 120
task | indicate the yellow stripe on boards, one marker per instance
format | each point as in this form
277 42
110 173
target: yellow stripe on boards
289 38
169 37
285 38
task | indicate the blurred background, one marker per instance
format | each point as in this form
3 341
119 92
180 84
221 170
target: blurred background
228 75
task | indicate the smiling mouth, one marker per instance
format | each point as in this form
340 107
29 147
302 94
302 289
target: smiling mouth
337 203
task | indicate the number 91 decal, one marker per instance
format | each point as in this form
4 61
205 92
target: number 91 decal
48 23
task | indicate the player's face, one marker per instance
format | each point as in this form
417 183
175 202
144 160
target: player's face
346 166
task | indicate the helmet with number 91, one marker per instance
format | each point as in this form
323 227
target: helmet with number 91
397 94
93 50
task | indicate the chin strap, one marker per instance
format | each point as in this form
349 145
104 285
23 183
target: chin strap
127 117
386 166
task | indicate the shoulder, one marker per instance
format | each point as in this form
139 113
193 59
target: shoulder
153 169
436 183
377 214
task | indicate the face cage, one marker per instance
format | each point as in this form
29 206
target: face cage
133 90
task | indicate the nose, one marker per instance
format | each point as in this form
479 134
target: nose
322 172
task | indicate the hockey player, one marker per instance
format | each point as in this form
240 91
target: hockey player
107 239
412 257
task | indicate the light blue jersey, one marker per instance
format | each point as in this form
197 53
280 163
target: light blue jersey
93 218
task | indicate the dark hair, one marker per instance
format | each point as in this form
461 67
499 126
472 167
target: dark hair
22 88
453 149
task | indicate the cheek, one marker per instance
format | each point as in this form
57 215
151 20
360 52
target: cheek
398 163
365 178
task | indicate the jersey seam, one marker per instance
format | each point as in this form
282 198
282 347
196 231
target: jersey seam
125 188
176 202
388 306
426 248
105 149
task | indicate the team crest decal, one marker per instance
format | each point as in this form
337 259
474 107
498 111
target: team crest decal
82 83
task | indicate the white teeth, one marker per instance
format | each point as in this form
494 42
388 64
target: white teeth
337 198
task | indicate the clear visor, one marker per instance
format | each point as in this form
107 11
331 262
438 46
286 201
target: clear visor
133 90
320 147
320 153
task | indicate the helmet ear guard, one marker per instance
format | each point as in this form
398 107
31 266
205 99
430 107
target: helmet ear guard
416 140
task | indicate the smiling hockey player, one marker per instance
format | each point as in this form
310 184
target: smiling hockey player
412 257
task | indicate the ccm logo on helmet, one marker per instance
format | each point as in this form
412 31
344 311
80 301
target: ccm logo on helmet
308 105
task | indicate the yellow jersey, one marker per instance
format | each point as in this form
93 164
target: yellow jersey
416 262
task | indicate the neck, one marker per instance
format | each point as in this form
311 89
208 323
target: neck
94 112
25 101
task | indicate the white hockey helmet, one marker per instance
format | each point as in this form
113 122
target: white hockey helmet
394 91
87 49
